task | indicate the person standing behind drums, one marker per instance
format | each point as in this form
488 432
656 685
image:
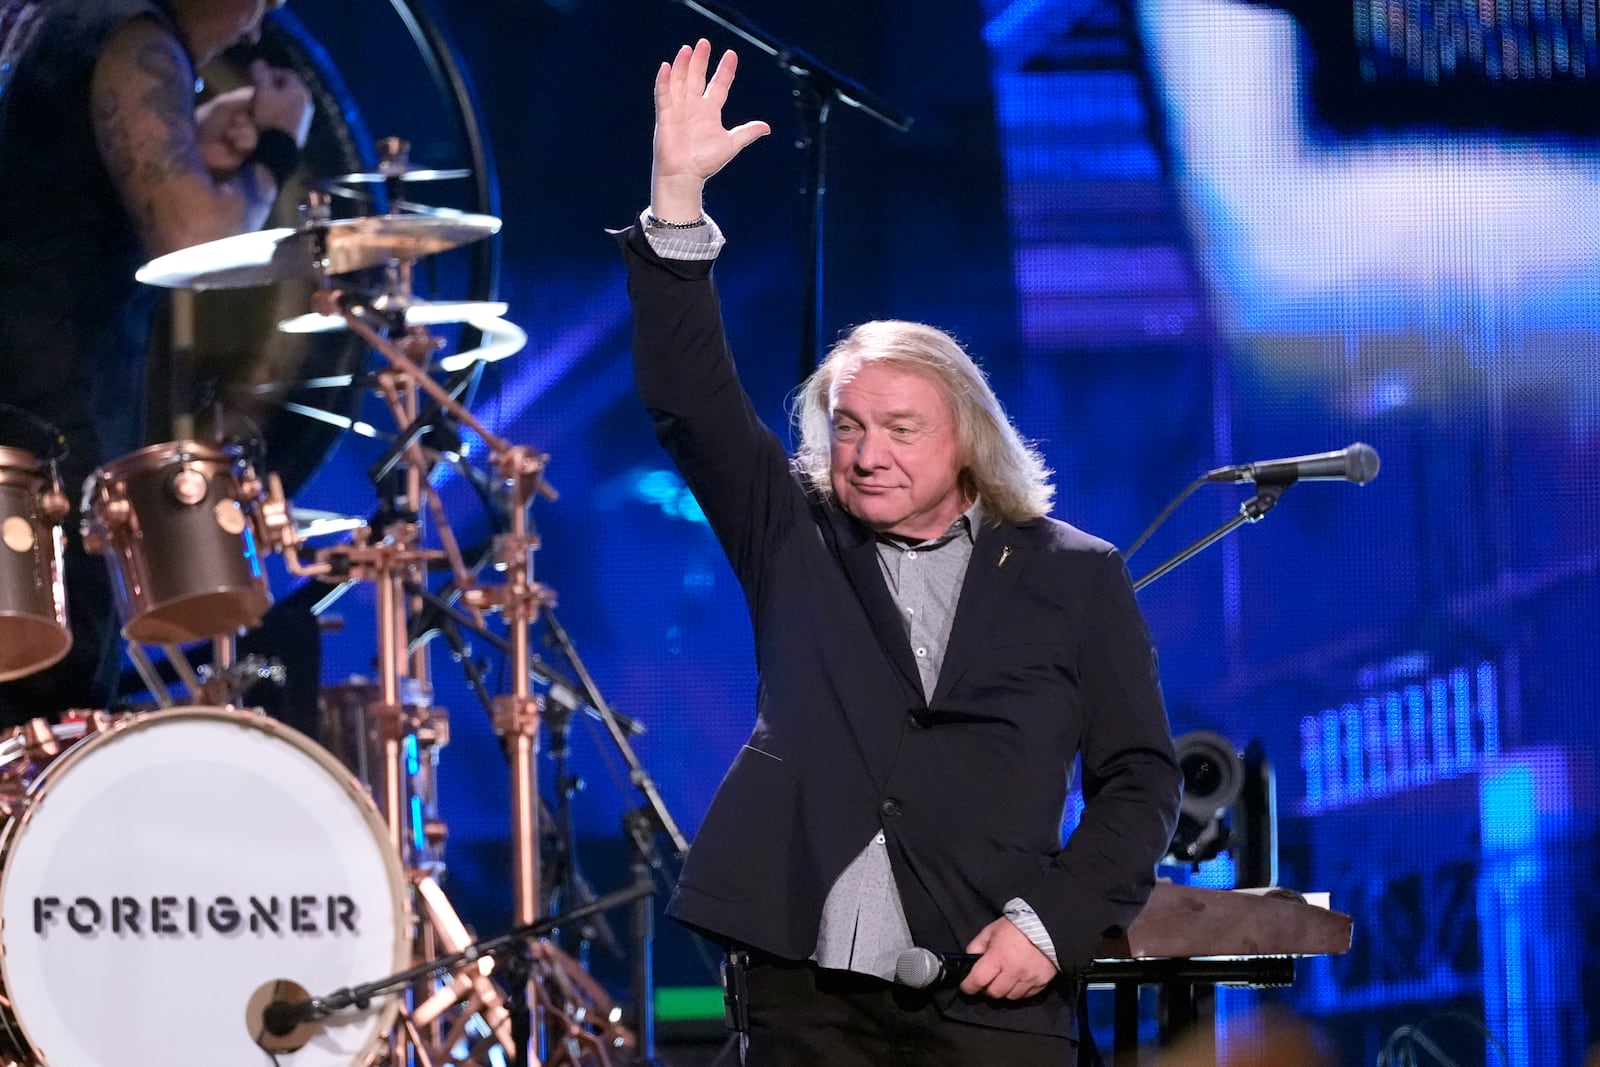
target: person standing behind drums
105 163
935 653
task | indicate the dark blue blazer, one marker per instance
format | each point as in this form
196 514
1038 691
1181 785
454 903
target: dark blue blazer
1049 659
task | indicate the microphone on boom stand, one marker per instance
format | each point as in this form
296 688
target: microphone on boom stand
282 1016
1354 463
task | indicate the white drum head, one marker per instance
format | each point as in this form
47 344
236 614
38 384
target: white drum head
167 870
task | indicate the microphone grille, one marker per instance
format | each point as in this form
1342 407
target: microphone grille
1362 463
917 967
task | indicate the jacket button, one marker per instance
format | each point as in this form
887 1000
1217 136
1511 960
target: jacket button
890 806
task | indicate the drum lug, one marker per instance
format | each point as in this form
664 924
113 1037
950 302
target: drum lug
188 486
39 740
54 503
274 524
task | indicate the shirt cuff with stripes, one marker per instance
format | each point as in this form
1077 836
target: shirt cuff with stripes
1024 918
678 242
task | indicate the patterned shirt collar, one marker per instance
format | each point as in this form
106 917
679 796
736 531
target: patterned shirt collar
965 524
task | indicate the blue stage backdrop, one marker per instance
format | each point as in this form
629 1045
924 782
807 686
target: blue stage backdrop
1179 234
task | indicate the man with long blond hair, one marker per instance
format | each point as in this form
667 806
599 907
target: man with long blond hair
935 653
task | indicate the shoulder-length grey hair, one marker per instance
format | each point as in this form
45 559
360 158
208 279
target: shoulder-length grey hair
997 465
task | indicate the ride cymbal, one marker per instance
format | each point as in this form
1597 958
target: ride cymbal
373 240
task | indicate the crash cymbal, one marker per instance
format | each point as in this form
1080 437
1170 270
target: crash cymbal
236 262
346 245
418 313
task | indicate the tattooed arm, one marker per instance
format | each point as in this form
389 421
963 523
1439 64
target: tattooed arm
142 98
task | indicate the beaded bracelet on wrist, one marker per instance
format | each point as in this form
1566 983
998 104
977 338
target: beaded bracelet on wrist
651 220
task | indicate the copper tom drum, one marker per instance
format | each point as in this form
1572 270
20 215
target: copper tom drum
33 602
173 523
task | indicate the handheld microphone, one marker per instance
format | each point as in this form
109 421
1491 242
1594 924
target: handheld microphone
921 968
1356 463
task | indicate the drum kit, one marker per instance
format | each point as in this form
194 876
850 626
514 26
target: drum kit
208 884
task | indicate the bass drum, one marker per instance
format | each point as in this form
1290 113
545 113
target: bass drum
162 876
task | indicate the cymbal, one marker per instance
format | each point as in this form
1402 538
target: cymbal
419 174
501 338
236 262
309 522
348 245
418 313
373 240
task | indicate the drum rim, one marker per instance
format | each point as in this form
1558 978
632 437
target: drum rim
387 1016
22 468
20 459
138 619
185 449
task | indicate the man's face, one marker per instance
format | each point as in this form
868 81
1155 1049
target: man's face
896 463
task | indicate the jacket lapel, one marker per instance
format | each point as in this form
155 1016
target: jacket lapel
999 557
858 551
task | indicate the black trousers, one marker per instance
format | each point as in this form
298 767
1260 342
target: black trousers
804 1016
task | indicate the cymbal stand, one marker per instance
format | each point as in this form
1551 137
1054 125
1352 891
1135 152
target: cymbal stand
521 474
386 564
517 713
641 824
519 598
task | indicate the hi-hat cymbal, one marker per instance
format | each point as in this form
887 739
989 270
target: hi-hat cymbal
345 245
418 313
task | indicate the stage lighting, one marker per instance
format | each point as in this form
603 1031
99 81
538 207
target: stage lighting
1213 776
1229 804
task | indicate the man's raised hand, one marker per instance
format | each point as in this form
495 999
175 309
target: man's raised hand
690 143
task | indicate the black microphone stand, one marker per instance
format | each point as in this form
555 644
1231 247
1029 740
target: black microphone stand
816 87
1252 510
518 965
568 881
286 1015
641 825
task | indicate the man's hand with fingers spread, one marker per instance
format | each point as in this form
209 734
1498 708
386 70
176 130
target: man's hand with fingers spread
691 144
